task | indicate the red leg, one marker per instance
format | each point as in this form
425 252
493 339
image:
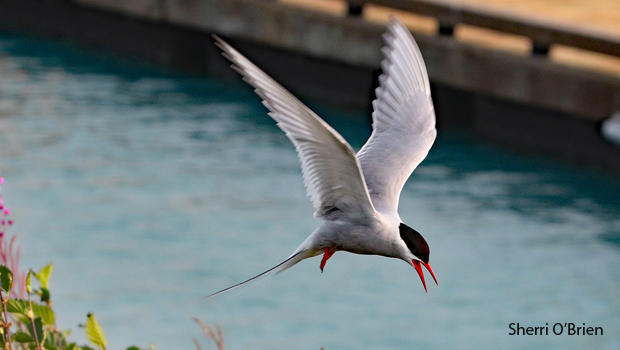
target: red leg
328 254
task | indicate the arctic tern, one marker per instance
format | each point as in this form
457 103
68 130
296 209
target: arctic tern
356 196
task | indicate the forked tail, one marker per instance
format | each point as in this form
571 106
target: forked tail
290 261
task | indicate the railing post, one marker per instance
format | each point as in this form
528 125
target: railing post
355 7
448 20
540 48
446 29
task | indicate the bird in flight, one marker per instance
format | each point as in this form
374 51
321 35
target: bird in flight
356 195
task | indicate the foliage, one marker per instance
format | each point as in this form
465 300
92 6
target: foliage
95 333
31 324
25 323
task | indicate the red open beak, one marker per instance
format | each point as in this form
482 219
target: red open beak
417 264
428 267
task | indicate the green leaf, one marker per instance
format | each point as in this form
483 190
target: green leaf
6 279
94 332
21 318
133 348
22 337
17 306
38 327
46 313
45 294
21 307
54 338
44 276
74 346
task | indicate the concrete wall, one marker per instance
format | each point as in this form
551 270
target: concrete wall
528 103
531 80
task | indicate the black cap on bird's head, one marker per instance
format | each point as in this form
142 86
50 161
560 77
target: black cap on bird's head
419 248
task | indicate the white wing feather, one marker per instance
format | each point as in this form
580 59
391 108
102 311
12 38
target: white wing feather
403 120
331 171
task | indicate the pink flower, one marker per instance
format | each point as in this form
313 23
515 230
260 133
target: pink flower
9 255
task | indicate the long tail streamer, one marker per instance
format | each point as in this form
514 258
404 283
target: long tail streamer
278 268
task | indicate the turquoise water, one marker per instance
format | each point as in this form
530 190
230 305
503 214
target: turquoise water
148 190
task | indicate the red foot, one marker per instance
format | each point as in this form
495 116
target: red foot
328 254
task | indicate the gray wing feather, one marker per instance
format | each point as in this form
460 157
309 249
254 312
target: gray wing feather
403 120
331 171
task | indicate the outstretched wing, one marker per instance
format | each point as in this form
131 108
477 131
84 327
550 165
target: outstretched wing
403 120
331 171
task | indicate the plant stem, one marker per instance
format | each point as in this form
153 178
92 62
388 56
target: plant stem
34 328
6 323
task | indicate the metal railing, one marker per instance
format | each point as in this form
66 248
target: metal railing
542 33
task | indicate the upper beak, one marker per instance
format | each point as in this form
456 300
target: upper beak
417 265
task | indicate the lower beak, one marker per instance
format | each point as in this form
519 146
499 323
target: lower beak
417 265
428 267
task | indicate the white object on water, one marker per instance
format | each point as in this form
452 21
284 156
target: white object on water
610 129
